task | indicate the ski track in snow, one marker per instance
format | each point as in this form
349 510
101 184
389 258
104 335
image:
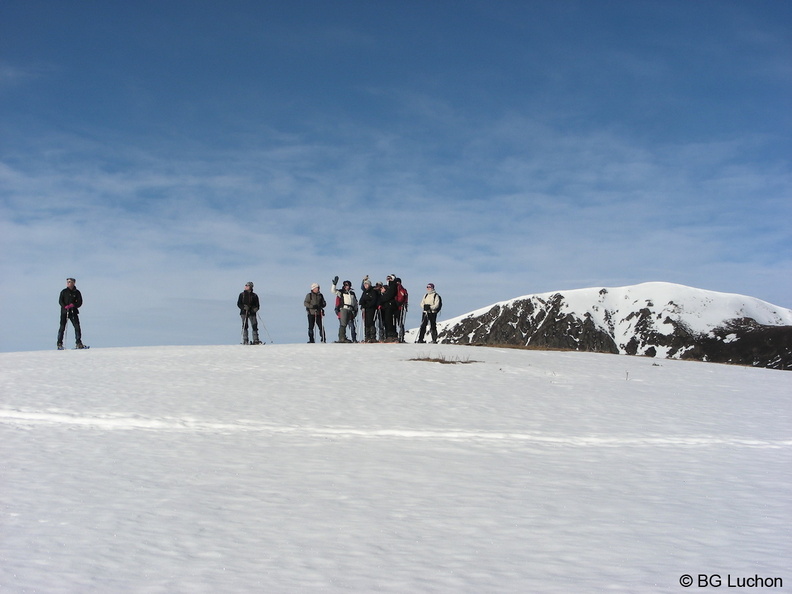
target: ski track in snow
22 419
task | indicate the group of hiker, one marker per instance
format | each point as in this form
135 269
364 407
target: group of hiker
383 306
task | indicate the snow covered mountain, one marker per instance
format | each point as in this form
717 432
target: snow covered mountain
653 319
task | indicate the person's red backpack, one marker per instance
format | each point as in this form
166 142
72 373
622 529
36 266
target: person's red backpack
401 295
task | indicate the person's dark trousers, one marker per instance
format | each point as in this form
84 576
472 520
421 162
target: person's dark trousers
314 320
431 319
75 319
368 323
389 319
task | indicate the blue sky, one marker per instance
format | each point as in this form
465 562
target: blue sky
164 153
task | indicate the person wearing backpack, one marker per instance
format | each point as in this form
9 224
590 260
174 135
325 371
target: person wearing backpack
314 303
401 309
431 305
346 309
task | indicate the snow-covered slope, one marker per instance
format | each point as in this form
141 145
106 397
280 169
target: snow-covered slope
655 319
352 468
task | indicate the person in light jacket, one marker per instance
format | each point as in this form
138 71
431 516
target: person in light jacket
346 309
431 305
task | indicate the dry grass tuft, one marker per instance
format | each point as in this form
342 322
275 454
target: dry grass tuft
444 360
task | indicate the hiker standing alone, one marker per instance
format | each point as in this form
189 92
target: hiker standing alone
70 301
431 304
314 305
248 304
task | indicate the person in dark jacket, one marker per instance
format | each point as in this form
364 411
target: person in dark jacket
369 301
388 308
248 304
70 302
400 315
314 305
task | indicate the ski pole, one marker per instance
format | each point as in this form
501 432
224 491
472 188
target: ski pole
263 325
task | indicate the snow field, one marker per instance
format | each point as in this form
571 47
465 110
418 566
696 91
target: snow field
350 468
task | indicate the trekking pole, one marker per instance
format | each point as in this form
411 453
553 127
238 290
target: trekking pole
263 325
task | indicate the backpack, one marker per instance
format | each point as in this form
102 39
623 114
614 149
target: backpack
439 303
401 295
340 303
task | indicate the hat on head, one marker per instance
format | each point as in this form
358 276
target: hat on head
430 285
314 286
347 283
391 277
70 279
249 284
